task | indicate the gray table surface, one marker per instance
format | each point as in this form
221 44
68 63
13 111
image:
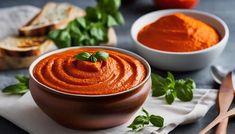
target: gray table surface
225 9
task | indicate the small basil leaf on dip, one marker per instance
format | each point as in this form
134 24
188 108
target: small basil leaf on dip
157 121
93 59
84 56
100 55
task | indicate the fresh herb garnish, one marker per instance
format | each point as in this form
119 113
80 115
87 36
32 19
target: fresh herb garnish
171 88
92 29
100 55
142 120
85 56
20 88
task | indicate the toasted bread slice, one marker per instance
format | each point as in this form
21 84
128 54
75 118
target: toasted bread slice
20 52
52 16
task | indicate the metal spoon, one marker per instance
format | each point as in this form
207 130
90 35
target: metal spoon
218 73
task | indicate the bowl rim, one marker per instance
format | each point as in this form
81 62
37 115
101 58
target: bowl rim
171 11
141 59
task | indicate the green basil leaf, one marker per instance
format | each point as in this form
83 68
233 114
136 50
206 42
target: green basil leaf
84 56
141 119
97 32
74 29
93 41
19 88
81 22
83 37
53 35
93 14
75 41
136 127
93 59
100 55
158 85
64 40
118 17
184 89
171 88
157 121
109 5
116 4
111 21
190 84
170 97
170 80
22 79
86 42
146 113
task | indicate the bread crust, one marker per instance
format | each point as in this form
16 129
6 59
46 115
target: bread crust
30 30
11 59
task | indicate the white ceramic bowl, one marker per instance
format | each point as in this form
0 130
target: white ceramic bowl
181 61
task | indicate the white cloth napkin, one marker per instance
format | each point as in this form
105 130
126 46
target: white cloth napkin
23 112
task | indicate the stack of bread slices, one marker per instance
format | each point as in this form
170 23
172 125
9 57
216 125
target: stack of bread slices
20 51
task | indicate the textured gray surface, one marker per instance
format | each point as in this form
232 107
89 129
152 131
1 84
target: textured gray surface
222 8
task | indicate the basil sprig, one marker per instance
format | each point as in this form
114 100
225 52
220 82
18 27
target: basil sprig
85 56
171 88
92 29
20 88
140 121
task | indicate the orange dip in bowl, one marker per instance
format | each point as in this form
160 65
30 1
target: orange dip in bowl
62 72
178 33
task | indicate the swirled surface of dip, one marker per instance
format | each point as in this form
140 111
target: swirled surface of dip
62 72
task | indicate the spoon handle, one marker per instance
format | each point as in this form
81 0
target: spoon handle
217 120
225 98
222 127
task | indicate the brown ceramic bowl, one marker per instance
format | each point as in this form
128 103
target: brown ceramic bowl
89 111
